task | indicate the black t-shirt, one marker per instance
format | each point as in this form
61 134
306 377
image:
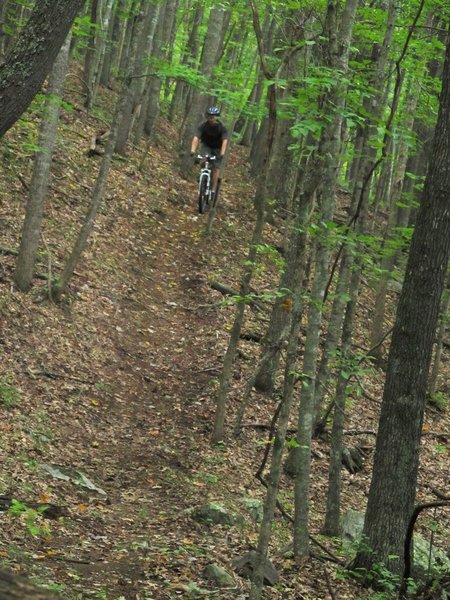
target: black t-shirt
212 134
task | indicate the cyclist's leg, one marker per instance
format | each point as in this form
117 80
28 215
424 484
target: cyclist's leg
216 170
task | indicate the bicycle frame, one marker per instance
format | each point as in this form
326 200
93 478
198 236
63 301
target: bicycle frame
206 171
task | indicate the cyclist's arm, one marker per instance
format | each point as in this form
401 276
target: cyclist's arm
223 148
194 144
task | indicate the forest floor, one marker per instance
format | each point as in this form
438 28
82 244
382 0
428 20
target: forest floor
118 384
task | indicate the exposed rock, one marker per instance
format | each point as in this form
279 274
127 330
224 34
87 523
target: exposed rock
352 523
255 508
245 564
352 527
214 513
353 459
218 576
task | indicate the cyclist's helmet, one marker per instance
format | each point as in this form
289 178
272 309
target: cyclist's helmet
213 111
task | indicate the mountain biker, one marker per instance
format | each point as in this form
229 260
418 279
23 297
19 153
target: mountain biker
212 136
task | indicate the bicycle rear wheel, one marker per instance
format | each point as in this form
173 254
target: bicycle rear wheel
203 196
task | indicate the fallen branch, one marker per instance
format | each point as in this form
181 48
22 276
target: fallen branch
330 589
9 251
440 494
442 434
51 375
251 337
227 291
360 432
23 182
408 540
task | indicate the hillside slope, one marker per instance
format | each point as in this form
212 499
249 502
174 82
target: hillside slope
118 383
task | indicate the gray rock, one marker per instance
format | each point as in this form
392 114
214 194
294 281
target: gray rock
218 576
395 286
352 527
352 524
255 508
244 567
214 513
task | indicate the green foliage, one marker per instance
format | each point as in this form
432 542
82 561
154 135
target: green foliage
31 518
439 400
9 393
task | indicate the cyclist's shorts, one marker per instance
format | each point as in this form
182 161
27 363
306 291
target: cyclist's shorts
204 149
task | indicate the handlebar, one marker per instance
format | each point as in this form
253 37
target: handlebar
209 157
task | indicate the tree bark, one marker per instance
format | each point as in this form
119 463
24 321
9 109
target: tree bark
31 231
165 28
133 105
13 587
329 153
99 190
31 58
439 341
393 487
196 109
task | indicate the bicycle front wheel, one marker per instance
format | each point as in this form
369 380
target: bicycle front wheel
203 195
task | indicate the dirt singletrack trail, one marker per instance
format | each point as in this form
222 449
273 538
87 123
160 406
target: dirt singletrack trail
152 443
118 382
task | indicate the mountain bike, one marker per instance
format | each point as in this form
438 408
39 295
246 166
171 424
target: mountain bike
205 182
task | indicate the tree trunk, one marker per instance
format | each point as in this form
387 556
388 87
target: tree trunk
332 517
165 29
99 190
13 587
91 55
388 259
291 279
190 58
273 479
329 153
259 202
31 58
439 342
197 107
31 231
142 32
393 487
3 34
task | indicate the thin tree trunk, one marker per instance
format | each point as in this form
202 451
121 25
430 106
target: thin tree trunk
273 479
329 152
159 53
284 308
259 202
439 342
332 517
196 109
31 231
91 55
133 103
388 259
99 190
190 58
291 277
